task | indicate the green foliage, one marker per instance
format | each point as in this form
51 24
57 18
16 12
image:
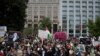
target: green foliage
1 39
12 14
94 27
28 31
46 22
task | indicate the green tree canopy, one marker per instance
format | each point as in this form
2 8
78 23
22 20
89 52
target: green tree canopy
46 22
94 27
12 14
28 31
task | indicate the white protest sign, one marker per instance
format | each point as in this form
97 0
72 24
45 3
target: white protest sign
42 34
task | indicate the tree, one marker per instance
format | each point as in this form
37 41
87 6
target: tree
12 14
46 22
28 31
94 27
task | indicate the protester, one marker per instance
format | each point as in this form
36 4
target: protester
31 46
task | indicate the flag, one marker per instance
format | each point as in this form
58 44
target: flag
42 34
92 52
37 39
49 36
15 37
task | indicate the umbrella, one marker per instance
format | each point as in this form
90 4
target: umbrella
60 36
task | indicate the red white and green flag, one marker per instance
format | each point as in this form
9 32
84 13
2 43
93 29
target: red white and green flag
44 34
49 36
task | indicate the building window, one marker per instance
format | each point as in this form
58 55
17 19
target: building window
96 15
70 30
35 26
78 31
83 1
84 6
35 16
64 6
97 2
84 11
77 10
84 22
90 6
54 21
71 22
84 15
64 29
64 25
90 11
77 15
41 16
84 35
78 24
91 2
29 20
97 6
71 26
29 25
71 10
90 15
35 20
84 31
70 1
77 6
64 21
77 1
64 1
97 11
55 17
71 15
71 6
64 10
71 35
55 26
64 17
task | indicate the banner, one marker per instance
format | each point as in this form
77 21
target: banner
3 30
42 34
15 37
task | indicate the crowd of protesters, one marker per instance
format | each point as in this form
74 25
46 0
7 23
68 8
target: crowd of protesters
30 46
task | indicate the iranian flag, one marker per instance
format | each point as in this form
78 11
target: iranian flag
49 36
44 34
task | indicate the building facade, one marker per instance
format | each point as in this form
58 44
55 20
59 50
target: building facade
74 15
38 9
